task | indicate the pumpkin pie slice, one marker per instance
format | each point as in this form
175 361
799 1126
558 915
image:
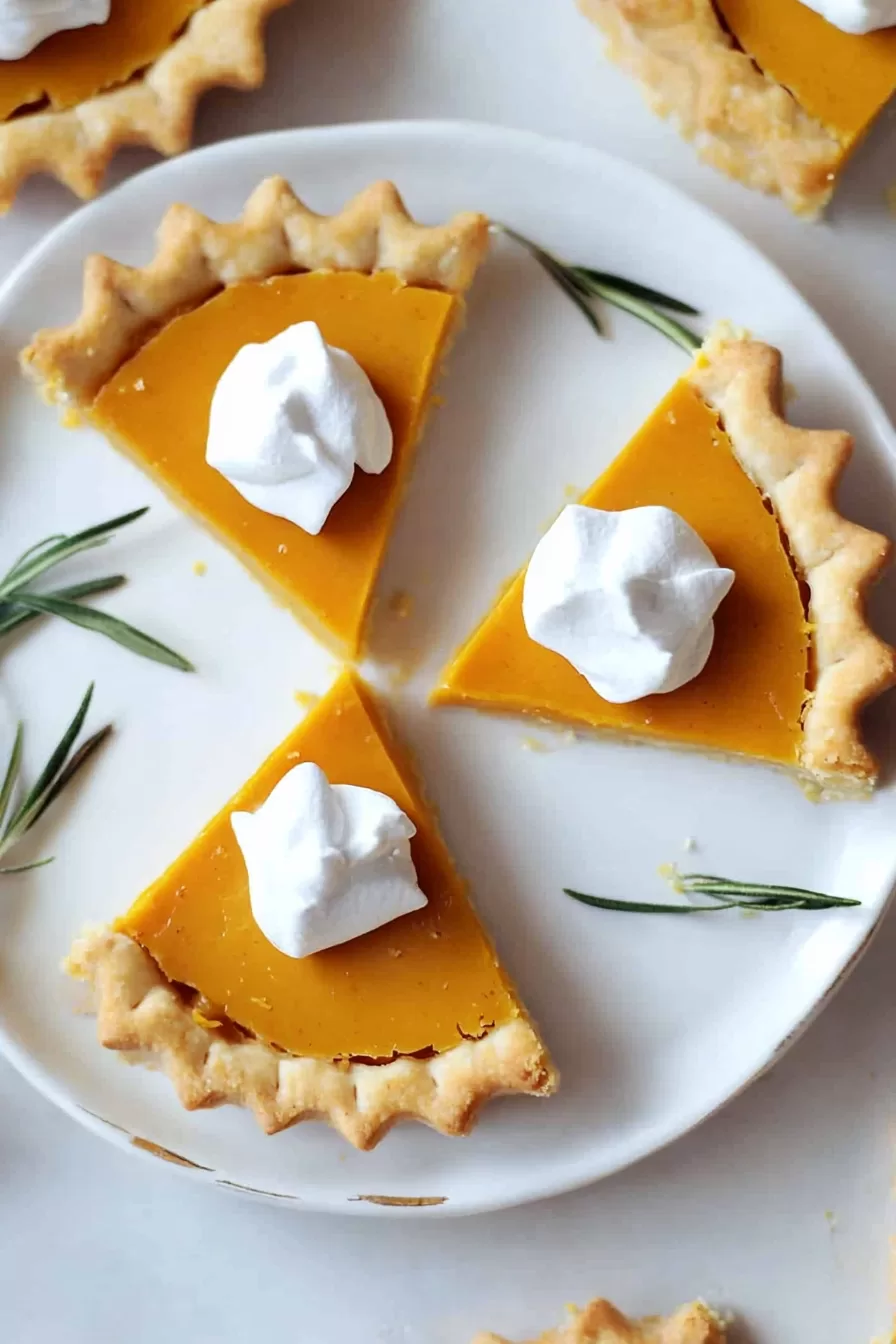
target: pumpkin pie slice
771 93
417 1019
601 1323
71 102
794 660
142 362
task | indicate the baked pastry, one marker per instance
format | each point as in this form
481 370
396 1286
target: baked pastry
769 91
151 344
67 106
601 1323
794 660
416 1019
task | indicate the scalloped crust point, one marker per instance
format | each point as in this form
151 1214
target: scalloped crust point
601 1323
798 471
196 257
139 1012
221 46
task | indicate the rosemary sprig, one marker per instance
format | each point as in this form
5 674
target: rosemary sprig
58 772
18 604
725 894
583 285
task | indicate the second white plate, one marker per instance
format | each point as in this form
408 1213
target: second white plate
654 1022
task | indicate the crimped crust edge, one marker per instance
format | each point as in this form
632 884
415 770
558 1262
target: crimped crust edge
222 45
602 1323
196 257
139 1012
741 120
798 471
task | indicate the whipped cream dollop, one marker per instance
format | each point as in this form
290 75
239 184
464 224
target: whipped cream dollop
326 862
24 24
856 16
626 597
290 420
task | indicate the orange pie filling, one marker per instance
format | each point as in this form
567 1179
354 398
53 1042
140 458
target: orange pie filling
749 698
156 408
70 67
841 79
417 986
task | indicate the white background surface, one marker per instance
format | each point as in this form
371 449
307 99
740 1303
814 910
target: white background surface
736 1212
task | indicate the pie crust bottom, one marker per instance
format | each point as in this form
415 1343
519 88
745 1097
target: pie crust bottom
602 1323
139 1012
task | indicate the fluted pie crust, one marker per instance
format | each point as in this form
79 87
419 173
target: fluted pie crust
222 45
140 1013
602 1323
798 471
123 306
741 120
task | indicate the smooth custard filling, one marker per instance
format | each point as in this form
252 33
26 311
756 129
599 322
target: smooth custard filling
419 985
841 79
156 408
72 66
749 698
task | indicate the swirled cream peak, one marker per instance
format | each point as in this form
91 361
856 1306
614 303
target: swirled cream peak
24 24
856 16
627 597
290 420
326 862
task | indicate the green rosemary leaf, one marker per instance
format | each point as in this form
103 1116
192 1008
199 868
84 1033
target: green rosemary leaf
725 894
12 616
104 624
582 284
642 907
637 291
676 331
27 813
53 550
7 788
25 867
56 775
68 772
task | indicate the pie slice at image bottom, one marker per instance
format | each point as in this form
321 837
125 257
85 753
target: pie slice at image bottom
417 1019
601 1323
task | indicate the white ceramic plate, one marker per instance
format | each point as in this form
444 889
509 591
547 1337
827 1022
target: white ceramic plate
654 1022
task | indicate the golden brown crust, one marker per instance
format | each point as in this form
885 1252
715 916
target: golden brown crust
222 45
195 257
601 1323
741 120
139 1012
798 471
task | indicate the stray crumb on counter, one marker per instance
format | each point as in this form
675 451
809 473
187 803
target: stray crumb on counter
400 604
831 1219
689 845
200 568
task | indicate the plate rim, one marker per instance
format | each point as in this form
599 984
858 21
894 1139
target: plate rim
553 148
